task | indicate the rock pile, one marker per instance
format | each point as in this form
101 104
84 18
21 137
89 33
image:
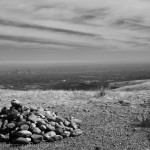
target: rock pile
23 125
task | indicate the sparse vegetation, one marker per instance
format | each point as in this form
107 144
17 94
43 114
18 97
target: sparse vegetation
143 119
100 93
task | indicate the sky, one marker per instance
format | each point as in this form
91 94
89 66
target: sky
74 31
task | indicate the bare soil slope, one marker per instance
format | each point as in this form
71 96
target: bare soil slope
106 120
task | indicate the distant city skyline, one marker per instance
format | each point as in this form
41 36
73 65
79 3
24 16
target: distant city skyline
74 31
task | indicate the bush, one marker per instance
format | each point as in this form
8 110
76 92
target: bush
101 93
143 119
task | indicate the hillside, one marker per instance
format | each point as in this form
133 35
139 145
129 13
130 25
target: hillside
106 120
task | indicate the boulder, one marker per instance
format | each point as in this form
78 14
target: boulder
73 125
51 134
25 113
21 118
69 129
40 122
36 138
66 123
24 127
50 116
23 133
4 110
4 124
20 123
21 140
76 132
49 127
36 130
11 126
52 123
57 137
59 131
59 119
42 127
2 138
16 103
13 133
65 134
61 124
32 126
32 118
33 108
48 138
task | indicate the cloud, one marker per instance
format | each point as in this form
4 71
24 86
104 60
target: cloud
103 24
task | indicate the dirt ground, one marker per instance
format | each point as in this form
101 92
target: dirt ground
107 121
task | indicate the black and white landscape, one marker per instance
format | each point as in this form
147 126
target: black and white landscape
85 59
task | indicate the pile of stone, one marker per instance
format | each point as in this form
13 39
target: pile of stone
23 125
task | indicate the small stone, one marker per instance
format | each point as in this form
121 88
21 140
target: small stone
24 127
33 108
23 133
50 127
20 123
11 126
51 134
61 124
42 133
50 116
3 116
32 126
32 118
40 109
59 119
37 138
57 137
7 138
25 113
59 131
53 123
25 108
13 133
73 125
5 123
21 118
39 112
57 125
69 129
28 123
42 127
5 131
2 138
66 123
36 130
48 138
13 115
22 140
65 134
4 110
16 103
76 132
40 122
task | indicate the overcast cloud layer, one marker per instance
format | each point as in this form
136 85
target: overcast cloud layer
73 27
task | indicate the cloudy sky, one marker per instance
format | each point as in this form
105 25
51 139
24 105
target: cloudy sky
105 31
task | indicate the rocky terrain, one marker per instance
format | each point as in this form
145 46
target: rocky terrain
108 122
